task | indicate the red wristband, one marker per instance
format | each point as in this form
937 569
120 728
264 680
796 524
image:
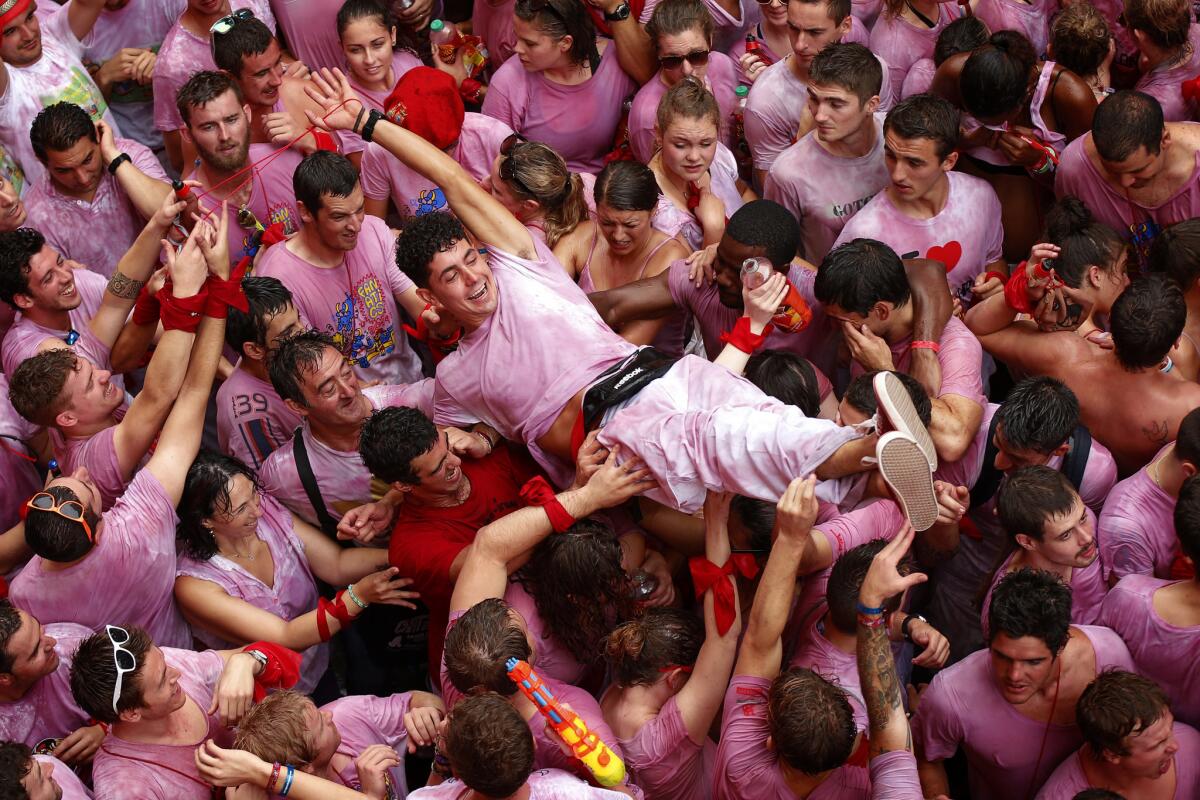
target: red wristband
339 610
439 347
1016 290
1000 276
536 492
181 314
325 141
924 345
743 338
470 90
282 669
146 309
223 293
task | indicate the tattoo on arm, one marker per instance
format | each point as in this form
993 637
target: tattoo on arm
880 685
124 287
1157 432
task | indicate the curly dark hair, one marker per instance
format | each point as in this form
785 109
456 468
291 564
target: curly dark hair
206 492
16 249
391 438
579 587
1031 602
36 388
422 239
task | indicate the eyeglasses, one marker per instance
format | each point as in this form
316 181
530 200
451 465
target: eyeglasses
225 24
508 171
124 660
68 509
697 58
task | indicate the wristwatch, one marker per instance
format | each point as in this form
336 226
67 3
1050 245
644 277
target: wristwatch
905 627
120 159
258 656
619 13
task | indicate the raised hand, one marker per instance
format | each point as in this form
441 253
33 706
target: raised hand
613 483
883 579
340 106
797 509
387 587
762 302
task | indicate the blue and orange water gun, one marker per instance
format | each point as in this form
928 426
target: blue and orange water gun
607 768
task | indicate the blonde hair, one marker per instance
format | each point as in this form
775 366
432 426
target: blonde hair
542 175
275 730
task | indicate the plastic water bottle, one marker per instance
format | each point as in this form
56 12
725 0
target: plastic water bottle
793 314
741 151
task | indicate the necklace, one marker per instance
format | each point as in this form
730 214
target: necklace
235 554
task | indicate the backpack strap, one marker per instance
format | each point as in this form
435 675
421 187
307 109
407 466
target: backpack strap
989 477
309 481
1075 462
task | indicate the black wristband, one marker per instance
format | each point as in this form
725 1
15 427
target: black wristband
117 162
357 119
368 128
906 626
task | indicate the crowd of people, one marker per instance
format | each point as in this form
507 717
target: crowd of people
555 399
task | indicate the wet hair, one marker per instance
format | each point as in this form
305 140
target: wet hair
479 644
16 762
1080 39
849 66
391 439
94 674
202 88
1163 22
995 77
53 536
206 493
1187 439
248 37
1031 602
960 36
838 9
627 186
860 273
810 720
354 10
674 17
845 581
1187 518
925 116
758 518
295 355
1146 321
17 248
276 731
1030 496
10 623
1116 705
560 18
266 297
36 388
577 584
1176 251
323 173
59 127
787 377
639 651
423 238
1039 414
489 745
542 175
687 99
766 224
1126 121
1083 241
860 394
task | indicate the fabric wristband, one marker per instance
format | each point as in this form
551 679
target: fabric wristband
181 314
707 575
226 293
281 672
470 90
860 608
325 141
1000 276
1016 290
921 344
537 492
743 338
146 309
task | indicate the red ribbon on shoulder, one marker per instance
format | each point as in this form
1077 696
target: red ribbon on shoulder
707 575
537 492
281 672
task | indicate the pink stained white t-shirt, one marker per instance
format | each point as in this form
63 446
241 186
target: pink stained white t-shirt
252 419
966 235
384 176
723 183
343 479
1069 778
1137 528
57 77
901 43
62 219
728 28
21 478
364 720
97 453
494 22
919 78
48 710
355 302
1008 754
292 593
311 32
580 121
747 770
960 359
824 191
402 62
127 577
815 652
721 78
124 770
553 657
183 54
1031 19
1166 653
1163 83
664 760
544 784
72 788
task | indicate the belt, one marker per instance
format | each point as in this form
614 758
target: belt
617 385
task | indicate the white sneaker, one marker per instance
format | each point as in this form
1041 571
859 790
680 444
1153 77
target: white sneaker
903 466
901 414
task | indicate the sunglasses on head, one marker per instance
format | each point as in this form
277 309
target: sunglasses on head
697 58
508 171
123 660
225 24
67 509
536 6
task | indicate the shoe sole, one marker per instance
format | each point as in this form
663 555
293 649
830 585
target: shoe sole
906 471
893 399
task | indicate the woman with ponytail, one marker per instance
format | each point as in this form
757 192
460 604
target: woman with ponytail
533 182
670 675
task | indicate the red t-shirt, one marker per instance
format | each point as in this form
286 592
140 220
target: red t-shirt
427 539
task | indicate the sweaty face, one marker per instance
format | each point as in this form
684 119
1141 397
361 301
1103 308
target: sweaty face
238 519
624 231
161 693
1069 539
77 170
689 146
332 391
52 281
262 75
339 220
810 28
31 651
281 326
681 44
1151 750
90 393
367 46
439 471
1021 667
1138 170
837 112
728 268
461 282
39 783
21 40
913 165
536 50
12 210
221 132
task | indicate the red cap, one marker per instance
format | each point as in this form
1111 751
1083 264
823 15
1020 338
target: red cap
426 102
10 10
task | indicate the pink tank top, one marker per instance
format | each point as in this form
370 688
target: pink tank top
1041 90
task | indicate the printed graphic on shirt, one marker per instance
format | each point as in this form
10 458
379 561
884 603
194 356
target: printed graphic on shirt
362 328
11 171
81 91
428 201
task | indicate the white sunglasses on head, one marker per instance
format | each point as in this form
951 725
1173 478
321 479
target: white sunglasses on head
123 660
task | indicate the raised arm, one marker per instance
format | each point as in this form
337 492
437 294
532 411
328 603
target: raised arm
144 192
238 768
649 298
492 224
932 307
82 16
635 51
